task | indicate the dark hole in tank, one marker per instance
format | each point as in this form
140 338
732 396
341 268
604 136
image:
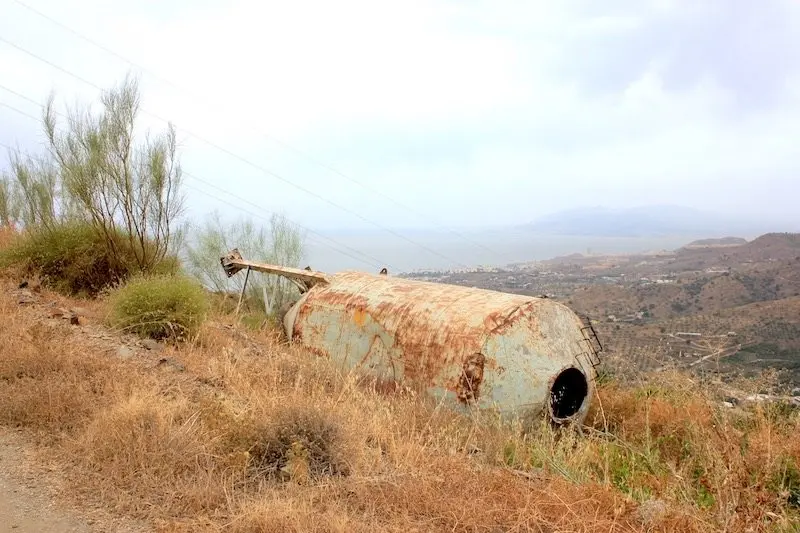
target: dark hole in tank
568 392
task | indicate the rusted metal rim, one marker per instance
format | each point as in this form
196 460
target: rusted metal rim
568 395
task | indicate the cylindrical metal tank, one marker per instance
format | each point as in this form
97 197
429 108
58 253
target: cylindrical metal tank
470 347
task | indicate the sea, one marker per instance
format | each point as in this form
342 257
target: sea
405 252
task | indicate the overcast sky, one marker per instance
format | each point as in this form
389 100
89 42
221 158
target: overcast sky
468 112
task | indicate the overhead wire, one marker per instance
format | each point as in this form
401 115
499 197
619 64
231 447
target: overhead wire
20 111
376 262
243 159
278 141
370 260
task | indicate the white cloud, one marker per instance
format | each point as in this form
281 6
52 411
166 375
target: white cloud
464 110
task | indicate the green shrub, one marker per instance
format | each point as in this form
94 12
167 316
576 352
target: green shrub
161 307
76 259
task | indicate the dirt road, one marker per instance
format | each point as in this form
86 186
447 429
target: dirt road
28 501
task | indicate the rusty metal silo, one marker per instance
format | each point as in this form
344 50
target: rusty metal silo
468 347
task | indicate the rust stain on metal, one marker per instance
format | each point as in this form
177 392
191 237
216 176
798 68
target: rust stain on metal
359 317
471 377
498 323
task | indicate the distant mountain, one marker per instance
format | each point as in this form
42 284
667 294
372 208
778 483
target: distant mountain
772 247
647 221
767 248
716 243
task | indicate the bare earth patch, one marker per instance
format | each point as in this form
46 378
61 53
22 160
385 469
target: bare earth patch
29 499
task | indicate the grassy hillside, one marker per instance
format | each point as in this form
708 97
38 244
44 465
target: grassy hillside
751 290
238 432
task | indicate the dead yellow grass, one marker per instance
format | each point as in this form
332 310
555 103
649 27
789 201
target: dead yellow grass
46 384
676 443
256 437
7 234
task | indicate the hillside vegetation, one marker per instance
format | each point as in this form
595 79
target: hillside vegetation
711 243
701 280
239 432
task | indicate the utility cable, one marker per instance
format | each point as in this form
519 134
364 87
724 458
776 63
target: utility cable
20 111
302 154
372 261
378 262
243 159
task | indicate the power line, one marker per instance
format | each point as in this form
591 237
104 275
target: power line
48 62
245 160
284 144
377 262
372 261
17 110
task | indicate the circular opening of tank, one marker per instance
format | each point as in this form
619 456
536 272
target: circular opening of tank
567 394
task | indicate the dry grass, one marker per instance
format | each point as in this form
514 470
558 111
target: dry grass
47 385
671 440
7 235
256 437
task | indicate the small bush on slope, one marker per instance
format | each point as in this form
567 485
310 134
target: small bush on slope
74 259
301 442
159 307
